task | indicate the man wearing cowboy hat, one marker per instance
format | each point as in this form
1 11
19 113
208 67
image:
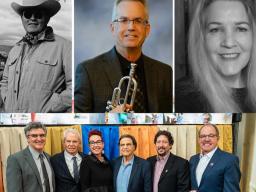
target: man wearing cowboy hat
37 76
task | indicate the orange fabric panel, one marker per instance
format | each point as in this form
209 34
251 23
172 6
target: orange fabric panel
144 136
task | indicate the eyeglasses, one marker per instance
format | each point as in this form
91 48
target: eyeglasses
27 14
210 136
37 135
136 21
99 142
127 144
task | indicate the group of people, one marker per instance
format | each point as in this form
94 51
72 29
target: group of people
30 170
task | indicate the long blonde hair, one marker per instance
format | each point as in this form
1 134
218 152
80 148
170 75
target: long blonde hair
208 80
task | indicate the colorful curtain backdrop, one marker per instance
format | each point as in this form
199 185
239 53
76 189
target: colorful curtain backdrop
184 139
225 141
12 140
54 139
110 137
144 136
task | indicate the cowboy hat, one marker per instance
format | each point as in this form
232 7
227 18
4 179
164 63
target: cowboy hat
51 6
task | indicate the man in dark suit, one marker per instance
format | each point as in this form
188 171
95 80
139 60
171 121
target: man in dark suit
30 170
170 172
131 173
213 170
66 165
97 78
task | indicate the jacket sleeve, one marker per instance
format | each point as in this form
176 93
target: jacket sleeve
232 176
147 177
13 175
62 101
83 91
183 177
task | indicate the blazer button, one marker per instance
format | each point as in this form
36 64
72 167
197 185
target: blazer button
15 91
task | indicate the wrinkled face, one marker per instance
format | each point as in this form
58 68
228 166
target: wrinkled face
34 21
72 143
162 145
130 34
208 139
126 147
228 37
36 139
96 144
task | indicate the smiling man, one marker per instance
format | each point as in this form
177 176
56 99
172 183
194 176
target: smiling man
30 169
131 173
170 172
97 78
66 165
213 170
37 75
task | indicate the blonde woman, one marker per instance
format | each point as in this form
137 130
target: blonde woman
221 52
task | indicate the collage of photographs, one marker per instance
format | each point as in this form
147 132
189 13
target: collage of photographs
127 96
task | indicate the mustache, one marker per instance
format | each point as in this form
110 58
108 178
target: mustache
161 148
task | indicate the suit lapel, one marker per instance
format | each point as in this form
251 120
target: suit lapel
135 168
194 170
151 84
65 166
53 176
167 167
210 165
28 156
113 68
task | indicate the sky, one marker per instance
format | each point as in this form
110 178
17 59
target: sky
12 30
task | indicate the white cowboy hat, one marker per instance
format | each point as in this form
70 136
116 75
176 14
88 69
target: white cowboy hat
51 6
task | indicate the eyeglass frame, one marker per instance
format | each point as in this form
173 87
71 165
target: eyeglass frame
210 136
34 136
135 21
99 142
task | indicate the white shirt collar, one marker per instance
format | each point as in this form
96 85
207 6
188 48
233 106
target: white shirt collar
208 155
69 156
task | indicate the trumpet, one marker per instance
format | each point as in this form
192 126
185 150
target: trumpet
132 84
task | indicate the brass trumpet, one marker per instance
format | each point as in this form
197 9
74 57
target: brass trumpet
132 84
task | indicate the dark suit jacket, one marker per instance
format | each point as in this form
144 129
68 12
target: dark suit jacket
175 175
222 174
64 180
97 78
22 174
140 178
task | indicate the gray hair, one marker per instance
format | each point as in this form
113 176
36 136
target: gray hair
117 2
73 131
34 125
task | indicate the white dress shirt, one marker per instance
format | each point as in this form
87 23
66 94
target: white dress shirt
69 161
202 164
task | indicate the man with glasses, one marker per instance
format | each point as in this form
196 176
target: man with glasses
131 173
213 170
66 165
30 169
97 78
37 75
170 172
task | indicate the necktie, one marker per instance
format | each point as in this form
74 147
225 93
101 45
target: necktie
45 174
75 168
